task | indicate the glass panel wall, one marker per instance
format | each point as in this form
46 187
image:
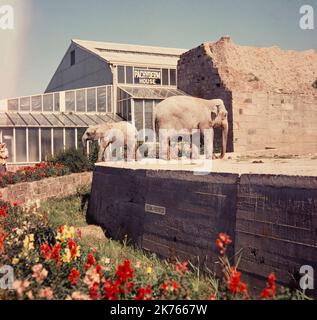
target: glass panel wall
56 102
13 105
165 77
36 103
20 144
81 100
91 100
172 77
34 149
121 72
6 135
109 99
25 104
129 75
46 144
70 101
48 102
102 99
138 114
58 138
70 138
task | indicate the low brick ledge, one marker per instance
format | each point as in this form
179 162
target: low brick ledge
29 193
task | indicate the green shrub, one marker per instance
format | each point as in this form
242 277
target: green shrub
75 160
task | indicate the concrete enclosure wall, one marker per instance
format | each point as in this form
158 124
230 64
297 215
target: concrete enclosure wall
178 214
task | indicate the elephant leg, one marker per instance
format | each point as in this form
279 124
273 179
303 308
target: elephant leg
100 152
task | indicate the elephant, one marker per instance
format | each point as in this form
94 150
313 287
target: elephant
185 112
122 133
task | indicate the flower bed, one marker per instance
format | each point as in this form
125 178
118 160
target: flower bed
55 264
33 173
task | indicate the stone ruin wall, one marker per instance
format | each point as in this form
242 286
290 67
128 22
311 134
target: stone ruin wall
258 119
286 122
199 78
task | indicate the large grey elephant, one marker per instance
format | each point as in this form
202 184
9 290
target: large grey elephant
121 133
185 112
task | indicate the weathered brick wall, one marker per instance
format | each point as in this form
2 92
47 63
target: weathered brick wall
276 226
273 120
28 193
198 77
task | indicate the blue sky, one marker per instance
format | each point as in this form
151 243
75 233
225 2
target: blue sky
43 30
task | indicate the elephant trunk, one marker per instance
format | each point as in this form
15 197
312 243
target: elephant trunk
84 141
225 128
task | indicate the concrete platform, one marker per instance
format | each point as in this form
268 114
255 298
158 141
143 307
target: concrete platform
239 165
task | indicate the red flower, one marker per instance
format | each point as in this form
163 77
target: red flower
144 294
235 284
181 267
111 290
270 290
124 272
99 269
212 296
225 238
72 248
74 277
2 238
3 211
94 291
51 252
90 261
222 242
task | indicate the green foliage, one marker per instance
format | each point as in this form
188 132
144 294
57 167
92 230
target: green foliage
75 160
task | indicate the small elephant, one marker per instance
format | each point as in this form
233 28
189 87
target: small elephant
189 113
121 133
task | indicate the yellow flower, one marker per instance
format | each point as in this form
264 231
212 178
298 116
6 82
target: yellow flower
65 233
67 256
15 261
149 270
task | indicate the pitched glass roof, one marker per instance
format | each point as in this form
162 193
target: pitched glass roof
37 119
151 93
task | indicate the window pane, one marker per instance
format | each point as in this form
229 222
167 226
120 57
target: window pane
70 138
70 101
173 77
46 144
7 137
109 99
81 100
33 144
121 74
48 102
36 103
20 142
129 75
138 114
72 57
91 100
165 77
58 141
56 102
101 99
129 110
80 133
25 104
13 105
148 109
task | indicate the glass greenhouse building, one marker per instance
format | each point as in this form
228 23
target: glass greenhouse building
124 82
